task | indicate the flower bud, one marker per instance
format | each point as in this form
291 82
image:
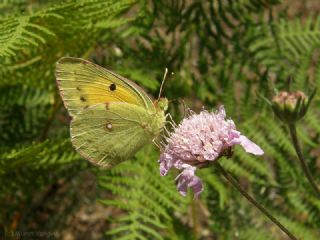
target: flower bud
291 106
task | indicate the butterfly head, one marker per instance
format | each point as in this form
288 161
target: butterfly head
162 104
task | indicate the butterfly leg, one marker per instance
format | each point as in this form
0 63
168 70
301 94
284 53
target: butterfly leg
172 126
160 145
167 132
171 120
155 143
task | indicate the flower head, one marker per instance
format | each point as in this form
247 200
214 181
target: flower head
198 140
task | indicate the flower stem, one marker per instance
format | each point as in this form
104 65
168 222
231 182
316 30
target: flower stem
194 219
293 133
235 184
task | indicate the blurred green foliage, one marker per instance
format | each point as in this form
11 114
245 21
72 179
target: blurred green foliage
221 52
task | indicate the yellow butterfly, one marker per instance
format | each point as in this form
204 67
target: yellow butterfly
112 118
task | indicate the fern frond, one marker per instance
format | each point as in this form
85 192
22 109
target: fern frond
312 118
292 41
211 180
254 234
277 134
144 195
298 229
40 27
19 33
258 166
239 170
38 155
273 152
297 38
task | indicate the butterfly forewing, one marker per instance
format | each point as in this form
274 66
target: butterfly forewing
83 84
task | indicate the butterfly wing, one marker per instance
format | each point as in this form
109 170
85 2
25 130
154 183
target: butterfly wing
83 84
107 134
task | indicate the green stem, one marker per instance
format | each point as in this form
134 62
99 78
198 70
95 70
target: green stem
194 219
235 184
293 133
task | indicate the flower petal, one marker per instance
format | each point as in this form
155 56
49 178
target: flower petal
182 186
196 186
187 179
221 112
163 169
250 146
165 163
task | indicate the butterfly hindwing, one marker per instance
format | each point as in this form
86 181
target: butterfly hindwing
83 84
107 134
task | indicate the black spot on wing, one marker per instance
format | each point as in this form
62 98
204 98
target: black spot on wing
83 99
112 87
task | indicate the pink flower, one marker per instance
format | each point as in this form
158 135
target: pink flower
198 140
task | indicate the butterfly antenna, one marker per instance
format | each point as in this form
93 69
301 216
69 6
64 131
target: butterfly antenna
163 81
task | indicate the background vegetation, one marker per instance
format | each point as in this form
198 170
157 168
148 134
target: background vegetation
221 52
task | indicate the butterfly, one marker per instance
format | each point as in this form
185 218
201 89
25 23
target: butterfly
112 117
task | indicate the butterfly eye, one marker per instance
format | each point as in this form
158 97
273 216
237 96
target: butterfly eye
112 87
